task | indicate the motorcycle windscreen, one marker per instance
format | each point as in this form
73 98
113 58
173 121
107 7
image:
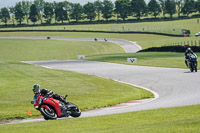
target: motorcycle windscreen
35 97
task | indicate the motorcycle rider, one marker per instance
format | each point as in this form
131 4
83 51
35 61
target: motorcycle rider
44 92
187 52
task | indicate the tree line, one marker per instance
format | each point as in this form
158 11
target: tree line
39 10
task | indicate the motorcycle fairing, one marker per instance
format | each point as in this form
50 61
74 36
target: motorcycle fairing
54 103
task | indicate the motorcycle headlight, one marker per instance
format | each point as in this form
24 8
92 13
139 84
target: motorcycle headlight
36 107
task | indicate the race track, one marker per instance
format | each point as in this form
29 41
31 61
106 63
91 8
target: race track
172 87
175 87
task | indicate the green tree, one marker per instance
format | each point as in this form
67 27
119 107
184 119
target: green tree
139 8
54 5
123 8
189 7
4 15
67 7
19 13
163 7
76 12
48 12
197 5
61 12
154 8
89 10
170 7
26 9
40 8
107 9
179 5
98 8
12 14
33 13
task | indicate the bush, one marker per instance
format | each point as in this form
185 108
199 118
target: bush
177 48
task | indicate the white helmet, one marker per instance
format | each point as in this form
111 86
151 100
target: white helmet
189 50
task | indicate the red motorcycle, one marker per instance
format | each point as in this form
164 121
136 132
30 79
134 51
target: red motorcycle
52 108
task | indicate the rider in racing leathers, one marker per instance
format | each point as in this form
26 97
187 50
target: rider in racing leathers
44 92
187 52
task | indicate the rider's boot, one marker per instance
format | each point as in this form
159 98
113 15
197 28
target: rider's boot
186 63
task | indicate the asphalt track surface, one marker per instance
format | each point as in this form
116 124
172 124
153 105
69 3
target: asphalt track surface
175 87
172 87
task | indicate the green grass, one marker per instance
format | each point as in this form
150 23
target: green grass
170 120
21 50
171 27
88 92
157 59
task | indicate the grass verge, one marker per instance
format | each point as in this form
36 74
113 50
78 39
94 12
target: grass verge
171 120
21 50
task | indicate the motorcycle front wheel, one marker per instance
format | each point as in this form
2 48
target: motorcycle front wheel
75 111
49 114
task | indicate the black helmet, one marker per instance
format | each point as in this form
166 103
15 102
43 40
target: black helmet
36 88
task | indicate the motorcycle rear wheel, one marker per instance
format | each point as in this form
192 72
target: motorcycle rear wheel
49 114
